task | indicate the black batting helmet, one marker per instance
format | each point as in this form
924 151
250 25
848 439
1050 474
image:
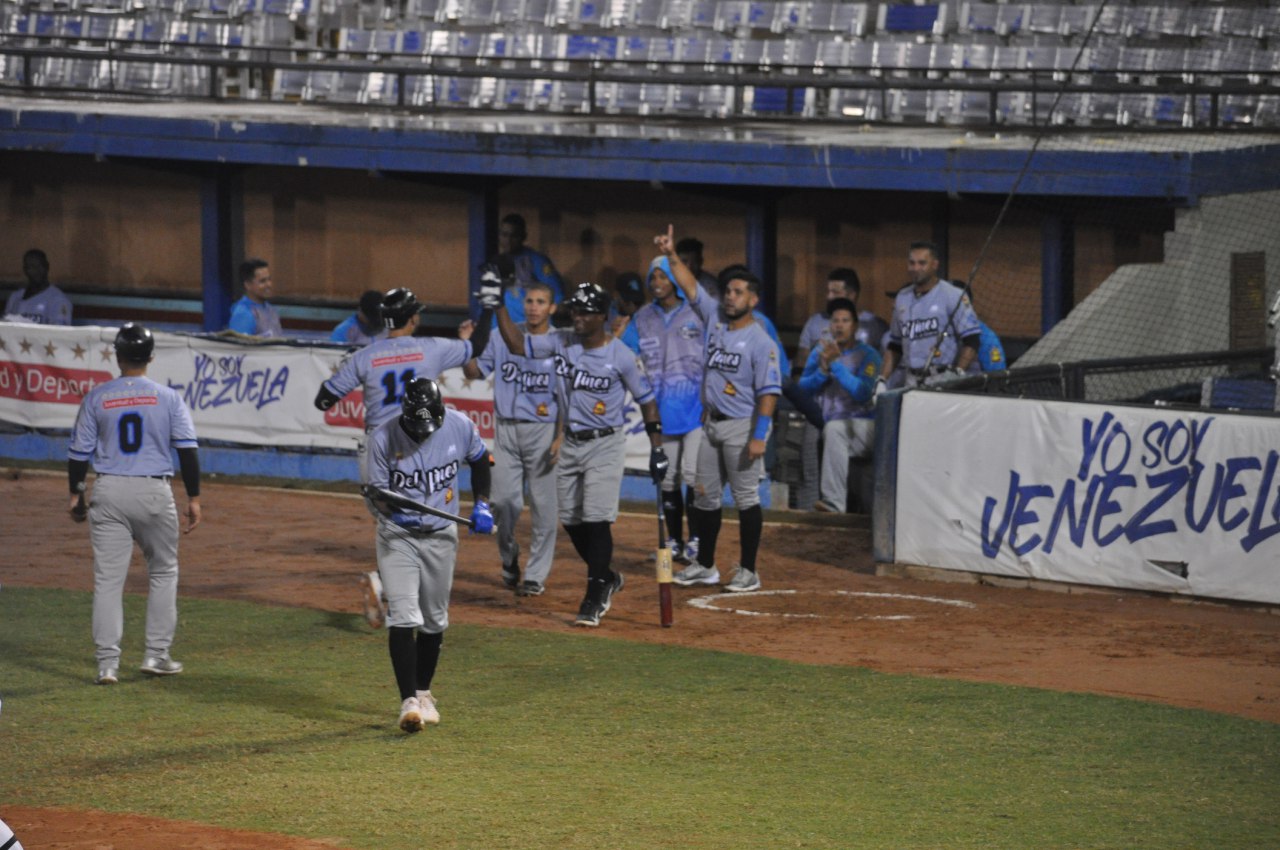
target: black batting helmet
588 298
422 411
134 343
398 307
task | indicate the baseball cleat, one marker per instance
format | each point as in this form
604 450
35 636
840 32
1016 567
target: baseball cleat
695 573
107 676
511 576
156 666
589 612
427 708
743 580
530 588
371 596
411 715
822 506
690 554
610 588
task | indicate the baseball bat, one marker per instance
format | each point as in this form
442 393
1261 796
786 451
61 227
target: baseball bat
399 501
664 568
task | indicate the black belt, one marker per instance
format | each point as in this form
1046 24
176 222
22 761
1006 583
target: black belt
117 475
588 434
717 416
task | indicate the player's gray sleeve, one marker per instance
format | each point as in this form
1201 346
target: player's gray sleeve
84 435
457 352
345 379
633 376
379 470
767 376
182 428
811 332
966 321
544 345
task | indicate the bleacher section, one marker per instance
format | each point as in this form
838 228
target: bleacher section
1169 65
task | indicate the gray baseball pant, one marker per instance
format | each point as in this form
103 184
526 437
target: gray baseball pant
841 440
520 459
589 478
417 575
722 458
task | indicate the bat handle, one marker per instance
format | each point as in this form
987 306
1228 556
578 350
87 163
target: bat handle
664 605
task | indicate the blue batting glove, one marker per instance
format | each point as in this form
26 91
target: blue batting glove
481 518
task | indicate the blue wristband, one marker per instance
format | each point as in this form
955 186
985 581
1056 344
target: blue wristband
762 428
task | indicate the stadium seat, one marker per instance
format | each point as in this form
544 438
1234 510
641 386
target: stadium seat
851 19
900 17
575 14
689 14
466 13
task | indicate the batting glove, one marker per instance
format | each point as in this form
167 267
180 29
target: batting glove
489 295
658 464
481 518
880 389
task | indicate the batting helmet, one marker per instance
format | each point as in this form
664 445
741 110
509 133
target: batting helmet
134 343
422 411
588 298
398 307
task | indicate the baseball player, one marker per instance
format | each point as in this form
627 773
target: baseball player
740 387
840 374
253 315
40 302
934 333
596 372
526 444
364 325
129 427
527 264
672 343
418 455
384 369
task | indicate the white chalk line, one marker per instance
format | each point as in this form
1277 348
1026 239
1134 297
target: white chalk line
711 603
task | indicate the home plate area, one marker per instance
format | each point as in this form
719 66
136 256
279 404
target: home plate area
834 604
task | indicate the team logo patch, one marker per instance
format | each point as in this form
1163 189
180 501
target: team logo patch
995 355
729 388
542 409
448 495
599 409
870 370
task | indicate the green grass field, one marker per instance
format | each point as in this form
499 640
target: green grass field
285 722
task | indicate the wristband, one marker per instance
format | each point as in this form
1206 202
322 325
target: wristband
654 427
762 428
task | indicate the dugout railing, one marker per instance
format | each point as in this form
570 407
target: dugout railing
1164 380
1128 99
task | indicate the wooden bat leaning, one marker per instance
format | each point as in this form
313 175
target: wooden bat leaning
396 500
664 568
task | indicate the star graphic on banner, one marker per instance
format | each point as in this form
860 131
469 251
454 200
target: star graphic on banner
106 353
78 351
4 346
466 383
25 346
489 382
49 349
441 381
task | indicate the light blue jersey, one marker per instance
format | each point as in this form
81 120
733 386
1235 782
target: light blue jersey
350 332
531 266
427 471
843 393
672 347
49 306
524 388
253 319
740 366
384 368
129 426
593 381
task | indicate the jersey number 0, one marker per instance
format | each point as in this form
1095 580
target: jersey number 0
130 432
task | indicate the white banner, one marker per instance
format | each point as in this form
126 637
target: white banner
1162 500
252 394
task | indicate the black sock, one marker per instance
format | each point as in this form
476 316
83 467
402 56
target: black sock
673 508
599 550
750 527
404 659
578 534
428 656
690 516
708 531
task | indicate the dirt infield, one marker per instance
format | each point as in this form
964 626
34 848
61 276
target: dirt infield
310 548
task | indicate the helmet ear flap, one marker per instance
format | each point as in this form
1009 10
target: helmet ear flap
398 307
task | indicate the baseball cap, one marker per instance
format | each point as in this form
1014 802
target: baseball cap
629 288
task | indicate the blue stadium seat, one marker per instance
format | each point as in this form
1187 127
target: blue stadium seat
900 17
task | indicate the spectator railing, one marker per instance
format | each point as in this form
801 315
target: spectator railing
595 86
